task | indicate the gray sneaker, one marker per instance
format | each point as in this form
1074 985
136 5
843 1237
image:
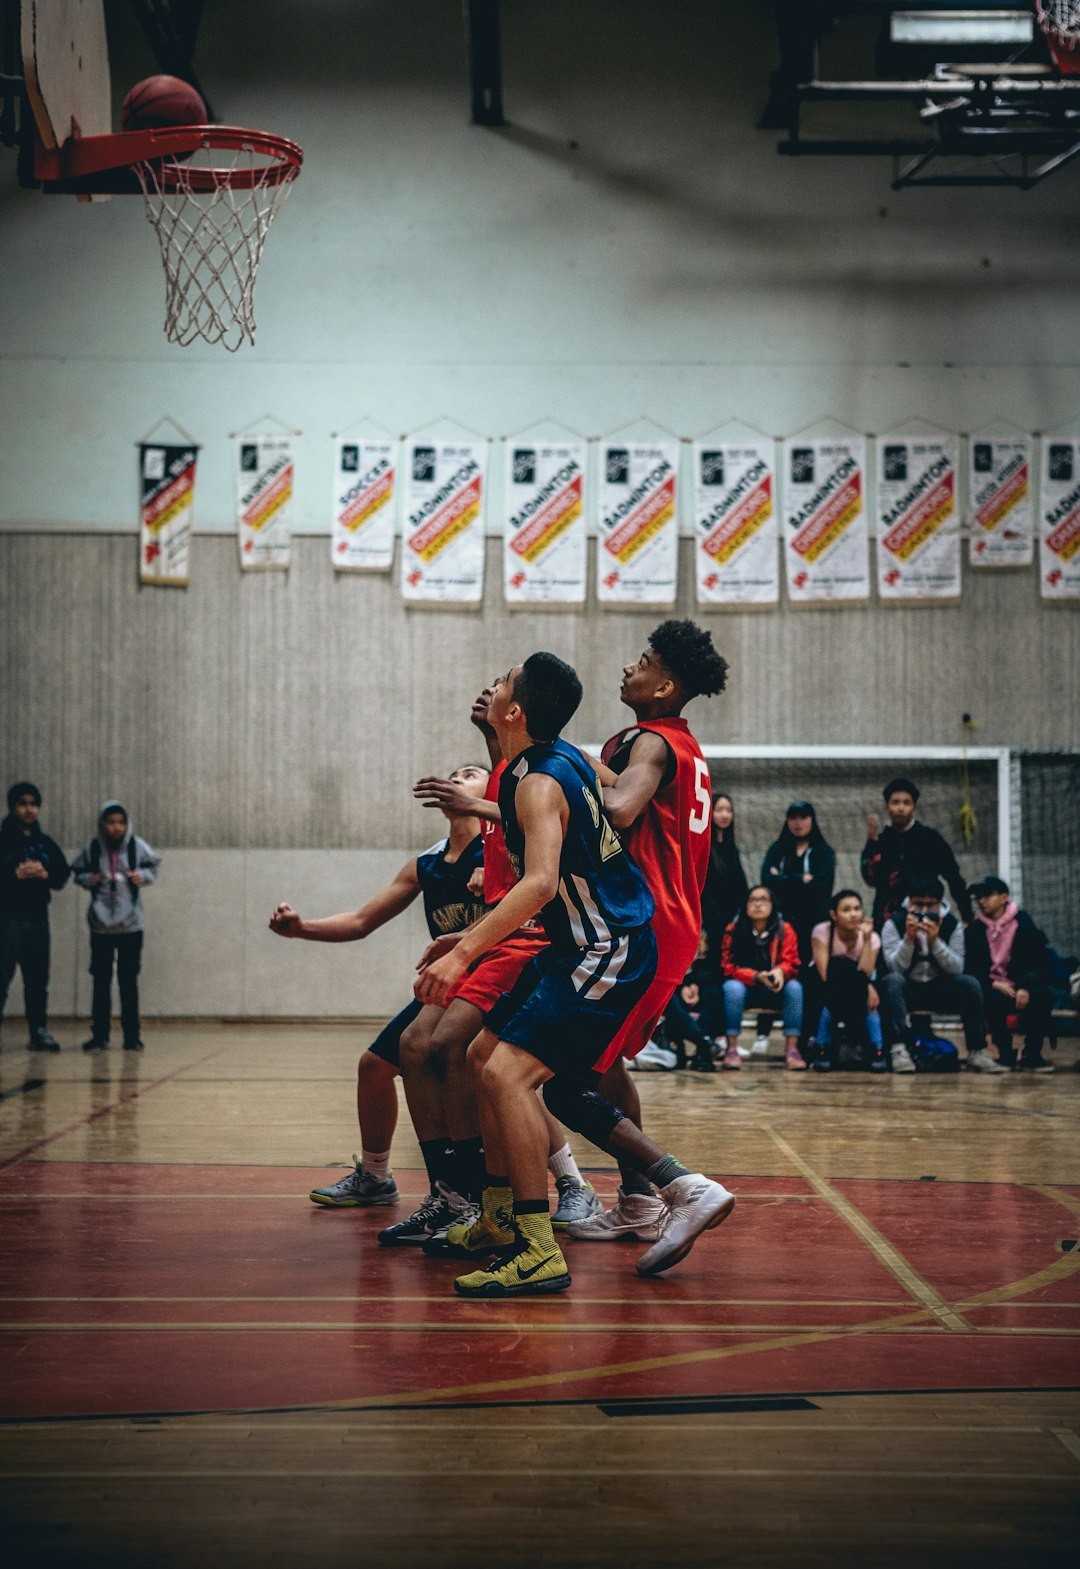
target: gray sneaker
577 1201
985 1062
358 1190
901 1060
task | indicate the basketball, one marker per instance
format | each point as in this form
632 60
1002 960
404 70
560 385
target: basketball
159 101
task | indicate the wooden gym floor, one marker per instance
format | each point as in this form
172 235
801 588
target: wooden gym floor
877 1355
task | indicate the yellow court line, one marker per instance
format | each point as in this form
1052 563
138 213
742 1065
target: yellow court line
446 1297
1066 1436
891 1257
723 1470
443 1327
590 1421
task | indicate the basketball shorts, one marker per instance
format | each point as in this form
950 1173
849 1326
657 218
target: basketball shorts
387 1044
566 1018
497 971
641 1021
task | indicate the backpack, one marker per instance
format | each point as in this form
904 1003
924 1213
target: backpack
132 859
934 1054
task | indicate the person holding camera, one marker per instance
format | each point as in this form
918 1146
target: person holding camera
115 866
923 947
32 868
760 962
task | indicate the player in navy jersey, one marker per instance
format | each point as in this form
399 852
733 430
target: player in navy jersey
571 1000
441 876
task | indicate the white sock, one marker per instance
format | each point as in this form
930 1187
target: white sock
377 1166
563 1164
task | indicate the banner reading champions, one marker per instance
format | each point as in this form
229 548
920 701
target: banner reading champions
264 493
544 521
918 518
365 485
736 533
167 476
826 542
1059 518
442 557
637 551
1000 487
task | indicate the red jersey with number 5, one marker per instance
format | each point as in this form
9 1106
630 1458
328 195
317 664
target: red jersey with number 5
670 841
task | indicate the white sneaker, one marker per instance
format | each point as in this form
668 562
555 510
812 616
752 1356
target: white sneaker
694 1204
637 1216
901 1060
760 1048
983 1062
654 1058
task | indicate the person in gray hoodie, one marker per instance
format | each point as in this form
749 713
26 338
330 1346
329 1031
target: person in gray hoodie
116 866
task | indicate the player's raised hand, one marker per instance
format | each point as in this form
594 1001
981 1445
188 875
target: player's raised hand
285 921
446 796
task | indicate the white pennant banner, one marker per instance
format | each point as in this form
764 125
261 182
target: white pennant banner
544 521
264 495
1059 518
826 540
365 492
637 551
918 516
167 476
736 531
1000 471
442 556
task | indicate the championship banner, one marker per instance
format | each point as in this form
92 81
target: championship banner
365 489
1000 474
264 495
736 529
826 541
544 522
1059 518
167 477
918 516
637 551
442 557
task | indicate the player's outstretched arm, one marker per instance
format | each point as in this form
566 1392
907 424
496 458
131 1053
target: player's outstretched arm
352 925
634 788
450 797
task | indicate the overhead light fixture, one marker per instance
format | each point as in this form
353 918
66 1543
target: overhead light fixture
961 27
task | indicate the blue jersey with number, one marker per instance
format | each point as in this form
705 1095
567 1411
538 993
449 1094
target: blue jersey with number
602 895
448 904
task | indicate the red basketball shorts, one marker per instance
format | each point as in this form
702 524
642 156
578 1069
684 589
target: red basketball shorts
496 971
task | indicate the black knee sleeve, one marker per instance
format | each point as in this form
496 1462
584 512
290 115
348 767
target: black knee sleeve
580 1108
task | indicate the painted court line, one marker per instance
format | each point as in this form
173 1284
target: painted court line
1066 1436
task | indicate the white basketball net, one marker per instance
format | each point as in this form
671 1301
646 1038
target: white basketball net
211 241
1061 17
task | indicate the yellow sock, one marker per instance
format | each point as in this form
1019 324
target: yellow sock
498 1204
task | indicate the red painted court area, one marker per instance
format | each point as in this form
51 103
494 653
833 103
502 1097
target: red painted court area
155 1288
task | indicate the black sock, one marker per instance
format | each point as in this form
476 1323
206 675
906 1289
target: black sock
666 1169
469 1158
492 1181
635 1181
439 1160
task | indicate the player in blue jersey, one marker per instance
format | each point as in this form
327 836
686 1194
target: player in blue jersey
569 1003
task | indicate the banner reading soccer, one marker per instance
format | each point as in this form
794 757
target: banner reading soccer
365 480
637 549
544 527
167 476
1001 491
918 534
736 532
826 547
442 557
264 493
1059 518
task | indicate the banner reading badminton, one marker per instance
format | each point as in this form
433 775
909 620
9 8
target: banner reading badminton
167 477
1000 467
442 557
736 533
365 487
264 496
637 548
544 522
826 542
918 519
1059 518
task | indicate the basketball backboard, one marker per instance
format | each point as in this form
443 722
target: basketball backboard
66 66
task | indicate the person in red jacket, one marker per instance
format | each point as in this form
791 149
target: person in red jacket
760 963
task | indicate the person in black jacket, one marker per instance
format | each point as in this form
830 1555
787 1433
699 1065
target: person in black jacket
904 850
726 887
32 866
1007 954
799 870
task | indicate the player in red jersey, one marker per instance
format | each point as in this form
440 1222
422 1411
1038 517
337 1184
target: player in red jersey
658 793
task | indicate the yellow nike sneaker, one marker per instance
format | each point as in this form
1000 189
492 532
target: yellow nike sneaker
489 1229
535 1268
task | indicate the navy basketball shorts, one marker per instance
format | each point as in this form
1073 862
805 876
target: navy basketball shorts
387 1044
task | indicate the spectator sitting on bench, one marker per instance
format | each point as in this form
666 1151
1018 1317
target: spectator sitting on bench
1007 955
846 949
892 857
760 961
923 945
686 1019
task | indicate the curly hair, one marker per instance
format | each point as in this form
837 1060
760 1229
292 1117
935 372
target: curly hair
686 652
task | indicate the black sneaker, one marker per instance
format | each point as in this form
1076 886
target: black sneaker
1033 1062
93 1044
876 1060
432 1215
41 1040
134 1046
702 1061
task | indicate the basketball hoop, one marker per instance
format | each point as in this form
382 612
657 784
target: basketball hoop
211 194
1060 21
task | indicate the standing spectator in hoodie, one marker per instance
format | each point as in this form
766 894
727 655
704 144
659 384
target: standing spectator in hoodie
32 867
1007 955
892 857
116 865
923 945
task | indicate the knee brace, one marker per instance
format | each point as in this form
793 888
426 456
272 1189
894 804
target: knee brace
580 1108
